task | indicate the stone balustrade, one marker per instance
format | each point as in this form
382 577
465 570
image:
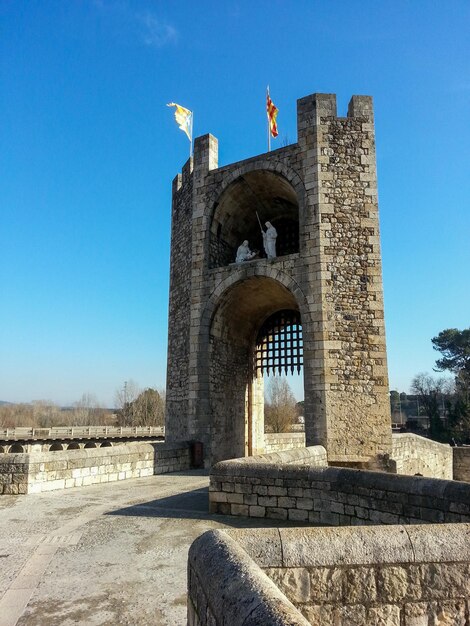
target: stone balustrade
78 432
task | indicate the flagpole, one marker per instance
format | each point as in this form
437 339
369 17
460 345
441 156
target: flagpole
191 140
267 118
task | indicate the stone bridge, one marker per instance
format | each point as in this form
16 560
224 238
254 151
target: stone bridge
18 440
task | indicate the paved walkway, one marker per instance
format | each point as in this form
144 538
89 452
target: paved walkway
103 555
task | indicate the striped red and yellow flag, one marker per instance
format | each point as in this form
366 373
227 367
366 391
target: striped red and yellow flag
272 112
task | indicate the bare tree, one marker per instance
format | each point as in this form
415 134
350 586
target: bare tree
280 405
12 415
87 411
431 393
46 414
125 403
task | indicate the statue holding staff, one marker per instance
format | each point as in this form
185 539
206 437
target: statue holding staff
269 238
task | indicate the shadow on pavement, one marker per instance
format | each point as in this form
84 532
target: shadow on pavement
194 504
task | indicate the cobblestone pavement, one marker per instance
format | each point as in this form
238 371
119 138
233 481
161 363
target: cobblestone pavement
103 555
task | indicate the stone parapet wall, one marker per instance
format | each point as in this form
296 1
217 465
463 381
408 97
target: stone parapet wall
225 586
413 454
334 496
48 471
314 456
461 459
274 442
14 472
394 575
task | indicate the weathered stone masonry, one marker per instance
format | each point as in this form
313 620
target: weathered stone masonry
36 472
298 486
325 187
395 575
179 311
461 458
353 282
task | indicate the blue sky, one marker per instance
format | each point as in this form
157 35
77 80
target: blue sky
88 151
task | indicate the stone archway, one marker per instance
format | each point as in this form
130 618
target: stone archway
245 204
236 389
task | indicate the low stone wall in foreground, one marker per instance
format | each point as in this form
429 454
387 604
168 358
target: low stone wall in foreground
46 471
393 575
271 486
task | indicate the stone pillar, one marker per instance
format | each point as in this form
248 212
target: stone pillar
350 336
257 415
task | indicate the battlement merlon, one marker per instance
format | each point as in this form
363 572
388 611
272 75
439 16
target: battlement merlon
311 109
181 179
206 154
361 106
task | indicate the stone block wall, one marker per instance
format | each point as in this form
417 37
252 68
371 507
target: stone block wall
314 456
275 442
48 471
393 576
334 496
413 454
351 288
14 471
178 386
461 459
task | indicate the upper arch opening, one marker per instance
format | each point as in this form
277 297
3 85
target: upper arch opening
235 216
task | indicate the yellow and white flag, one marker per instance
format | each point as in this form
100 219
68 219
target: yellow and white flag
184 118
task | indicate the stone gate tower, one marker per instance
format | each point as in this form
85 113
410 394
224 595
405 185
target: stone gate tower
317 305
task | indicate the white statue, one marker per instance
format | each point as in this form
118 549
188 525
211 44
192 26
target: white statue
244 253
269 240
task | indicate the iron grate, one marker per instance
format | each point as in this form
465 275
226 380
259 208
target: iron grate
279 344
